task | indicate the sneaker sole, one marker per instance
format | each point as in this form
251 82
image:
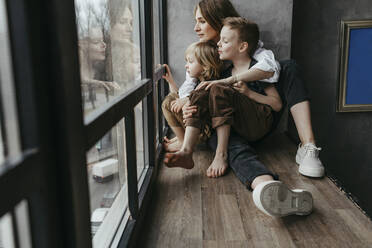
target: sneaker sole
311 172
276 199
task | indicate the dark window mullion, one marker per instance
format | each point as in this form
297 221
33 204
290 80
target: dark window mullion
163 30
131 151
145 10
101 121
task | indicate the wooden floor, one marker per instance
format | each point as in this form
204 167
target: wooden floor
191 210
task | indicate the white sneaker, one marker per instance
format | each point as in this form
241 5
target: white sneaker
274 198
308 158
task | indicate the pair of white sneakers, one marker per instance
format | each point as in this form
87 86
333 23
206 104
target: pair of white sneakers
276 199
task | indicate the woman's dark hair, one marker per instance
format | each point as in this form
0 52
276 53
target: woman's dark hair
214 11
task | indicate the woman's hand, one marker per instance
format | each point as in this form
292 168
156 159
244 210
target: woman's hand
208 84
176 105
188 111
242 88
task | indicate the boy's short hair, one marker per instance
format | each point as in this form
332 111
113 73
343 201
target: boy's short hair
206 53
247 31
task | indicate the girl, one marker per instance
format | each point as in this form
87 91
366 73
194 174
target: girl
202 63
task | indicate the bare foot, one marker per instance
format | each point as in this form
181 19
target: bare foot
179 159
172 140
173 147
218 166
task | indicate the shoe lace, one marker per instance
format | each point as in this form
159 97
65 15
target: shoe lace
312 150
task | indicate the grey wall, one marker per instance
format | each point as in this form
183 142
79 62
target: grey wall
346 138
273 17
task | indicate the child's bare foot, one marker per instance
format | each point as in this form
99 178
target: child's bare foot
179 159
173 147
218 166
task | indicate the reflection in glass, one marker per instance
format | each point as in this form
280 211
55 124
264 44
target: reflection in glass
6 231
138 114
156 33
108 48
9 138
107 177
125 51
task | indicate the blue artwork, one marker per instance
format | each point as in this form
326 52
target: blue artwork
359 72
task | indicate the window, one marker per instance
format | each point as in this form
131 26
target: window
80 120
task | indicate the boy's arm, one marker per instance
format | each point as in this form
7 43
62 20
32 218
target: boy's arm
272 97
169 78
252 74
267 69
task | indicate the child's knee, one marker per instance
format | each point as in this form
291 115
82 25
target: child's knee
165 105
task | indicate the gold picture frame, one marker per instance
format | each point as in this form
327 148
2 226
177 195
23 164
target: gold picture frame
345 83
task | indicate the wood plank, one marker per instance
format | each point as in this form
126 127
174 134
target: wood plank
231 219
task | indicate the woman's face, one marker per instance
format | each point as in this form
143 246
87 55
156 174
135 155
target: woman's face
193 68
122 30
97 47
228 46
203 29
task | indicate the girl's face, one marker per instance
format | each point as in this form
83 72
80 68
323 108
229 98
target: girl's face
97 47
203 29
228 46
192 66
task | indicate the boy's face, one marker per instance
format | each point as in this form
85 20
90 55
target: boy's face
228 46
192 66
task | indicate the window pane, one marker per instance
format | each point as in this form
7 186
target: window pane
9 122
138 114
108 48
23 224
6 232
156 32
107 184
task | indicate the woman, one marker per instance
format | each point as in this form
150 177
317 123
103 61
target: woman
209 15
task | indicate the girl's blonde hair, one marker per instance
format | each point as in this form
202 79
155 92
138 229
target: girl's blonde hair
206 53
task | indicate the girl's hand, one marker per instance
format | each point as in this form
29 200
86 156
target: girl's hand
242 88
168 74
114 85
176 105
188 111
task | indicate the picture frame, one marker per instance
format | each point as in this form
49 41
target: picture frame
355 68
